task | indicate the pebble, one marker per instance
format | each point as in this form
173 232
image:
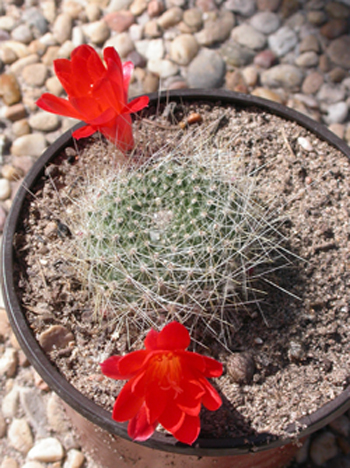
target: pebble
243 7
216 30
34 409
62 28
207 70
5 192
74 459
163 68
47 450
29 145
20 435
307 60
97 32
336 113
282 41
35 74
265 22
283 75
9 89
183 49
323 448
247 36
312 83
119 21
339 51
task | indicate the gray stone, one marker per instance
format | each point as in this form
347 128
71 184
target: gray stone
336 113
330 93
243 7
283 75
183 49
29 145
207 70
339 51
62 28
282 41
20 436
22 33
47 450
265 22
236 55
247 36
34 408
323 448
216 30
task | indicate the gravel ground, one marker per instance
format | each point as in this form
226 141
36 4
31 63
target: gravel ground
296 52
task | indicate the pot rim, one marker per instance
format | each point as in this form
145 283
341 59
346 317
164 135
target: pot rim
83 405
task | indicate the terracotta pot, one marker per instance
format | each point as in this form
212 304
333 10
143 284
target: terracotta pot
107 440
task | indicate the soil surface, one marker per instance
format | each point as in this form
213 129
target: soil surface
291 344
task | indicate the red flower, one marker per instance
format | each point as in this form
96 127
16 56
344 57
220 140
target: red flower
96 94
166 385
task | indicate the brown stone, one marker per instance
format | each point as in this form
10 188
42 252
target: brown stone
9 89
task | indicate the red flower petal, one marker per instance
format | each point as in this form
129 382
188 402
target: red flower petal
57 105
189 430
131 363
211 399
127 404
173 336
172 418
139 428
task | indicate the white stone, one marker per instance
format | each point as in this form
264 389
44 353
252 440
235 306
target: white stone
29 145
122 43
9 406
162 68
9 360
155 49
20 436
46 450
5 190
75 459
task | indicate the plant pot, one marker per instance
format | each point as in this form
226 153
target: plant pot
107 440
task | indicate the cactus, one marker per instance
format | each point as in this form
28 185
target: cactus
177 238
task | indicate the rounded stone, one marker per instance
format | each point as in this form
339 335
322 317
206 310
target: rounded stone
97 32
35 74
62 28
29 145
283 75
47 450
265 22
247 36
339 51
323 448
312 83
9 89
163 68
207 70
307 59
183 49
282 41
170 18
119 21
20 436
122 43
